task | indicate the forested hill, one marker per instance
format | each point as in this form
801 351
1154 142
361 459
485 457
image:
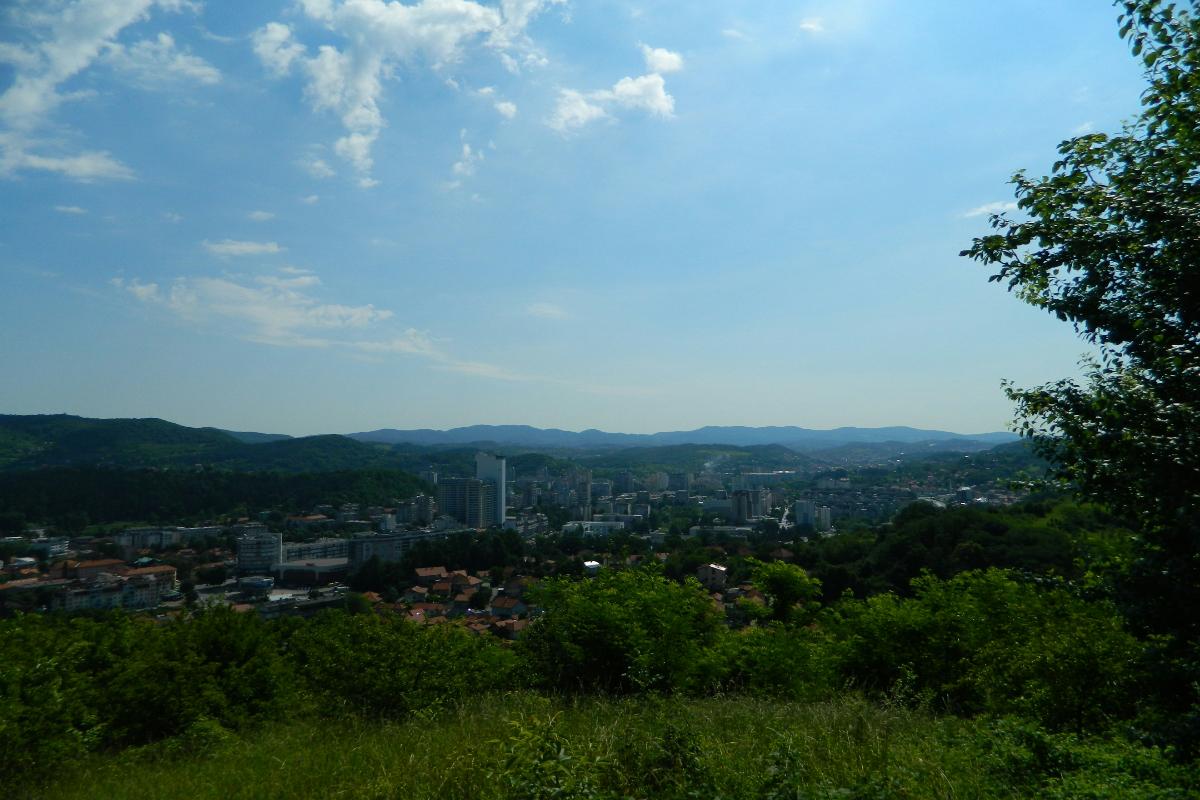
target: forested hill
38 441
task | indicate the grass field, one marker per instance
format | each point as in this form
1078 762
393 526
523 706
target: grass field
528 746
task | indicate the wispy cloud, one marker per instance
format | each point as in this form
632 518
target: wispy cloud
70 210
735 33
812 25
59 44
273 309
316 167
260 216
85 167
372 40
282 310
987 209
546 311
232 247
468 160
573 111
158 62
310 200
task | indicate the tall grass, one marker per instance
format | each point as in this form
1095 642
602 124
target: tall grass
525 745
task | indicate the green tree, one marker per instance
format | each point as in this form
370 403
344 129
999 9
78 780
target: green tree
786 586
1108 243
623 631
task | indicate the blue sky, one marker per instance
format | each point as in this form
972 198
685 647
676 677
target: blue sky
336 215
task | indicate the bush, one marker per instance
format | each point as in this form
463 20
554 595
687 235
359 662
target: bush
984 641
388 666
623 632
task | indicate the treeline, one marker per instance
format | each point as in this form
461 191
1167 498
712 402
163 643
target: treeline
984 643
70 498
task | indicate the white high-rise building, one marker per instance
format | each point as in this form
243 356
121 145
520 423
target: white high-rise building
494 470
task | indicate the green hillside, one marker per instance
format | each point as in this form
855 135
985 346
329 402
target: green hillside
61 439
40 441
61 495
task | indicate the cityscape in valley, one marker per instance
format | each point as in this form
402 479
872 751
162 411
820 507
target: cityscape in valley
563 400
567 513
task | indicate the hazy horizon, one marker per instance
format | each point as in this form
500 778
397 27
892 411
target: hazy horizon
311 217
530 425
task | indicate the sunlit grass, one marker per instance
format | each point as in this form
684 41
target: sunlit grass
460 752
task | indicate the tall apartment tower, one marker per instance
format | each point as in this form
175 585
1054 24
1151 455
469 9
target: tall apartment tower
468 500
493 469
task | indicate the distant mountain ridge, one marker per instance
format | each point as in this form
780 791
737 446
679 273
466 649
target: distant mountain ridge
56 440
796 438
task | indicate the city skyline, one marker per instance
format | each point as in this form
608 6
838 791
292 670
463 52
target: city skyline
327 216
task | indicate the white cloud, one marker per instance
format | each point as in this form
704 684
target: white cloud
310 200
573 111
647 92
146 292
260 216
62 40
661 60
734 33
812 25
987 209
317 167
153 62
377 39
275 48
295 281
468 160
1082 129
70 210
271 310
171 216
505 108
231 247
546 311
280 309
84 167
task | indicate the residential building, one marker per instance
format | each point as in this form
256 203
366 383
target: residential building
259 551
321 548
385 546
471 501
494 469
587 528
804 513
712 576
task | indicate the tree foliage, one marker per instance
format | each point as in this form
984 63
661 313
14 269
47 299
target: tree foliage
624 631
1109 242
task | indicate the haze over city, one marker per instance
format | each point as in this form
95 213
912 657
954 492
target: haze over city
339 216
